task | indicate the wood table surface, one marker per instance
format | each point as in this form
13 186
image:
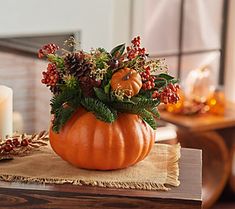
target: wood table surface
203 122
33 196
215 135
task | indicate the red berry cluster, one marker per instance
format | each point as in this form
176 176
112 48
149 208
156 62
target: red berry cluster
135 50
148 79
10 144
51 76
136 41
168 94
47 49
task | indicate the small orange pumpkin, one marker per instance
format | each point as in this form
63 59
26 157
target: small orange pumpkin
87 142
127 80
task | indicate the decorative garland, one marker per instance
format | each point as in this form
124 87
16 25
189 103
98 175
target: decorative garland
21 145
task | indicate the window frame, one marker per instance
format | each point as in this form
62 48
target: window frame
179 55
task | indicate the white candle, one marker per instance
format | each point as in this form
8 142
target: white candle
6 111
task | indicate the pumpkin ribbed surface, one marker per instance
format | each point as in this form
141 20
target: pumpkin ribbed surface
87 142
128 80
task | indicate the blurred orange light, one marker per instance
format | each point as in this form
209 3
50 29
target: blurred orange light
216 103
212 102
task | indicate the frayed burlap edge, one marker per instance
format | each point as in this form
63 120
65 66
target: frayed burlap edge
173 166
121 185
172 177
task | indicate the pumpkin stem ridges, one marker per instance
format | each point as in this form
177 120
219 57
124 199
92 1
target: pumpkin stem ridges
127 76
106 84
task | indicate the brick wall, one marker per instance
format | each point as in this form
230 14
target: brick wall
42 98
31 98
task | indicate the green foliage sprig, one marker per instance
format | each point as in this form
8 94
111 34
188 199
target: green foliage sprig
64 105
100 110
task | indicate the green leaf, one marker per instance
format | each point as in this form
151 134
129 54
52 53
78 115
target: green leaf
118 50
75 102
175 81
144 102
99 109
109 74
66 113
128 101
160 82
56 59
143 113
107 88
101 95
145 94
165 76
148 118
115 113
135 105
155 112
125 107
71 96
61 117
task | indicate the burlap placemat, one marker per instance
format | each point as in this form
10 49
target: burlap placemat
159 169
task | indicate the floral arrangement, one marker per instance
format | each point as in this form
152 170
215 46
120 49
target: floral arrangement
106 83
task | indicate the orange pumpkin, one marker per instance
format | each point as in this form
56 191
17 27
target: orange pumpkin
87 142
127 80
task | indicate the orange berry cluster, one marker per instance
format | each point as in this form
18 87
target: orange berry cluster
51 76
47 49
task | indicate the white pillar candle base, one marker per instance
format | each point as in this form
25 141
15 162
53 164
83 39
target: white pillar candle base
6 111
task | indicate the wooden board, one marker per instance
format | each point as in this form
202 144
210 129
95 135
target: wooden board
186 196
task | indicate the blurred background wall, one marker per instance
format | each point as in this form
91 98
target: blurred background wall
101 23
188 33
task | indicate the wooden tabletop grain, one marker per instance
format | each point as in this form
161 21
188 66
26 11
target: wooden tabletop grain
202 122
186 196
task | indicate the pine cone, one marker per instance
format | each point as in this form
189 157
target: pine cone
76 64
87 84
